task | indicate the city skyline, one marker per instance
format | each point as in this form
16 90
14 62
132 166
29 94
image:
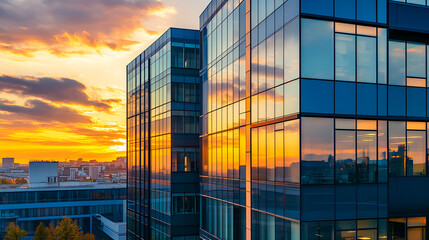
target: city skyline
61 70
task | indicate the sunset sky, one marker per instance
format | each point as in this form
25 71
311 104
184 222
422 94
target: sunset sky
62 72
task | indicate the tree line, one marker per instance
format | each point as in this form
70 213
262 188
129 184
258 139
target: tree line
11 181
65 230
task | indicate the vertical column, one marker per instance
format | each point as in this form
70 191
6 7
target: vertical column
248 142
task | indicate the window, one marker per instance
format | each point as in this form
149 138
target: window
419 2
396 100
416 153
396 63
366 59
366 99
382 55
345 9
319 7
291 151
366 10
366 156
345 98
291 97
291 50
185 203
317 165
317 96
382 151
313 230
397 147
345 160
416 59
317 49
177 56
408 228
345 57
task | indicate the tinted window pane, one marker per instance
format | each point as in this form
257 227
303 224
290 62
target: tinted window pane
317 96
345 9
416 60
396 148
396 101
382 151
317 49
320 7
366 156
421 2
345 161
396 63
345 201
366 59
382 55
382 11
317 150
312 230
291 9
291 50
366 99
366 10
367 201
345 60
382 100
416 103
318 203
291 148
345 98
291 97
416 153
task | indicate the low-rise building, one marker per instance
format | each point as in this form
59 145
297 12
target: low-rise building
28 206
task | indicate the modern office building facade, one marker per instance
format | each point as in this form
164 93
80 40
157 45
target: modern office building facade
28 206
163 89
314 119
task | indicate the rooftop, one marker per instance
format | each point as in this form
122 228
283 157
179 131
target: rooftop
62 186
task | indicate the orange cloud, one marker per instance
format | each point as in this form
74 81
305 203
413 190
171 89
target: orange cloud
64 27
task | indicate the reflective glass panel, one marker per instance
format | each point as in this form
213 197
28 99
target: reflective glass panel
345 159
345 9
366 10
345 59
320 7
396 63
366 59
317 49
416 153
366 156
291 151
397 147
416 60
317 150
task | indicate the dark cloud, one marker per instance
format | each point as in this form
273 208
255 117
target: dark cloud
36 110
62 90
66 27
107 134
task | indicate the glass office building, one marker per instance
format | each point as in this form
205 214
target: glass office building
314 119
163 113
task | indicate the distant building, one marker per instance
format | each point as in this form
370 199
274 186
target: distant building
73 173
8 162
94 172
121 162
43 173
28 206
